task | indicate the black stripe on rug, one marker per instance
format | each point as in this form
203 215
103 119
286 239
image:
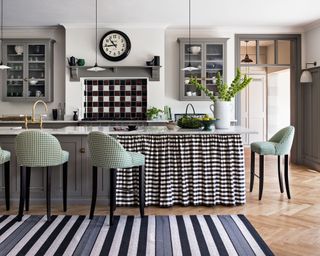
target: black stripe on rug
131 235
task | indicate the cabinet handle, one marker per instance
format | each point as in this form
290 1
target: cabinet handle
82 150
25 79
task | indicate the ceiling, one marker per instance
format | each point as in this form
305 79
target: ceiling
172 13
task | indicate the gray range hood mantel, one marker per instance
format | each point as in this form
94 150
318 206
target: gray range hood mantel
152 72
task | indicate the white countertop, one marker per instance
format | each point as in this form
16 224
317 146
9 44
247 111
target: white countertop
156 130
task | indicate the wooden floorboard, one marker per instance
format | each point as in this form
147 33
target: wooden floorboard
290 227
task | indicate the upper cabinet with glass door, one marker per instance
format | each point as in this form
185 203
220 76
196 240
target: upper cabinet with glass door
208 57
30 76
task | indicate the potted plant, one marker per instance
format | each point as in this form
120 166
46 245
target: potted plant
153 113
225 94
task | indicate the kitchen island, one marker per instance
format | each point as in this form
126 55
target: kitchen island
187 167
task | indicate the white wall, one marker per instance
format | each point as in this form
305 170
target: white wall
145 43
311 45
56 33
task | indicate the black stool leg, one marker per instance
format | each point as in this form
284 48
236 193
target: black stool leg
48 194
252 170
28 177
113 182
22 193
286 175
7 183
65 184
261 174
141 190
94 191
280 174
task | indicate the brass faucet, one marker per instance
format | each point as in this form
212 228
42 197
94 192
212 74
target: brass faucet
33 118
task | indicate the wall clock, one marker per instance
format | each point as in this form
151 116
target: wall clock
115 45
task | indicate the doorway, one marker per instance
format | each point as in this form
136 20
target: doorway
269 103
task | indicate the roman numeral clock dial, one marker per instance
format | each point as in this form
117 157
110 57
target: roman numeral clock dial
115 45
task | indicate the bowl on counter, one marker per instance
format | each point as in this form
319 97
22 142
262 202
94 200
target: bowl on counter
207 125
132 127
171 125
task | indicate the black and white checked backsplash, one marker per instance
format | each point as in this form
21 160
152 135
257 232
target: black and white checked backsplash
115 99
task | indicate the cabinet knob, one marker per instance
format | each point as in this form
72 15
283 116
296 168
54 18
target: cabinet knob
82 150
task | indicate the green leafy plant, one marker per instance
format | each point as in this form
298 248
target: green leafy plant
153 112
225 92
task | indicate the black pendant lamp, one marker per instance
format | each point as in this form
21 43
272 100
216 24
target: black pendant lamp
96 68
189 67
246 58
2 66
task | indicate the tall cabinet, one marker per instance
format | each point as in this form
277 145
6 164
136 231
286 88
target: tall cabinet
208 56
30 76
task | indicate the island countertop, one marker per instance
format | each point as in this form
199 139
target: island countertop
155 130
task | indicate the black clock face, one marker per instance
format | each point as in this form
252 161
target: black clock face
115 45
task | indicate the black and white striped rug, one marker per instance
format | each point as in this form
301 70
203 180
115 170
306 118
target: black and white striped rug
129 235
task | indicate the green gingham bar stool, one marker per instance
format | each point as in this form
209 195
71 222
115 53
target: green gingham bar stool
39 149
280 144
106 152
5 159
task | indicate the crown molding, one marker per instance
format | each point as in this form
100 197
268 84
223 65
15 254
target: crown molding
312 25
114 25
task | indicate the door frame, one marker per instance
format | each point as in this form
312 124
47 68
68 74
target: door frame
295 90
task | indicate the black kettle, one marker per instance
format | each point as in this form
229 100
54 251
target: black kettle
72 61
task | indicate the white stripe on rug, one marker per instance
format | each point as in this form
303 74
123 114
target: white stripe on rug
245 232
151 237
114 249
45 236
224 236
100 238
27 237
134 239
6 221
207 236
77 237
61 236
13 228
194 247
175 237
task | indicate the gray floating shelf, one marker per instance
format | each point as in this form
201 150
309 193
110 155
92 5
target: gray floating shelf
152 72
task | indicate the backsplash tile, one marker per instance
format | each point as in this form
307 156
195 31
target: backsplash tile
115 99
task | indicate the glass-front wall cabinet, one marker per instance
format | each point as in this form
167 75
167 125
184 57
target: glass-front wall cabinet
30 76
207 57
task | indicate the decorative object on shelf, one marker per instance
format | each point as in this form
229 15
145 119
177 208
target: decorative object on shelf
306 76
246 58
190 121
81 62
18 49
2 66
189 67
75 116
225 94
72 61
153 113
96 68
154 62
115 45
33 81
195 49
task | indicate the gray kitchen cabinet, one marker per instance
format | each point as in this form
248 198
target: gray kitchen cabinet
30 76
208 55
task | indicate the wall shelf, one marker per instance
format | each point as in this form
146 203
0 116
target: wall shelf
152 72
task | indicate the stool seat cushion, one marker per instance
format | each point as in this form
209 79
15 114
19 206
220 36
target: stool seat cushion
39 149
263 148
4 156
107 152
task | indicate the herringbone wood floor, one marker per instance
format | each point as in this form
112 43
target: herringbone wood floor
290 227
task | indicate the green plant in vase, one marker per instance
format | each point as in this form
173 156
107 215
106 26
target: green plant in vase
153 112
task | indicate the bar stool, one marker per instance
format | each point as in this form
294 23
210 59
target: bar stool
5 159
39 149
106 152
280 144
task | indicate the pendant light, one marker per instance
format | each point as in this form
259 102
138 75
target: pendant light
96 68
246 58
189 67
2 66
306 76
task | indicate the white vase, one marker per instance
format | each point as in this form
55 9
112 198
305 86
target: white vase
222 113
